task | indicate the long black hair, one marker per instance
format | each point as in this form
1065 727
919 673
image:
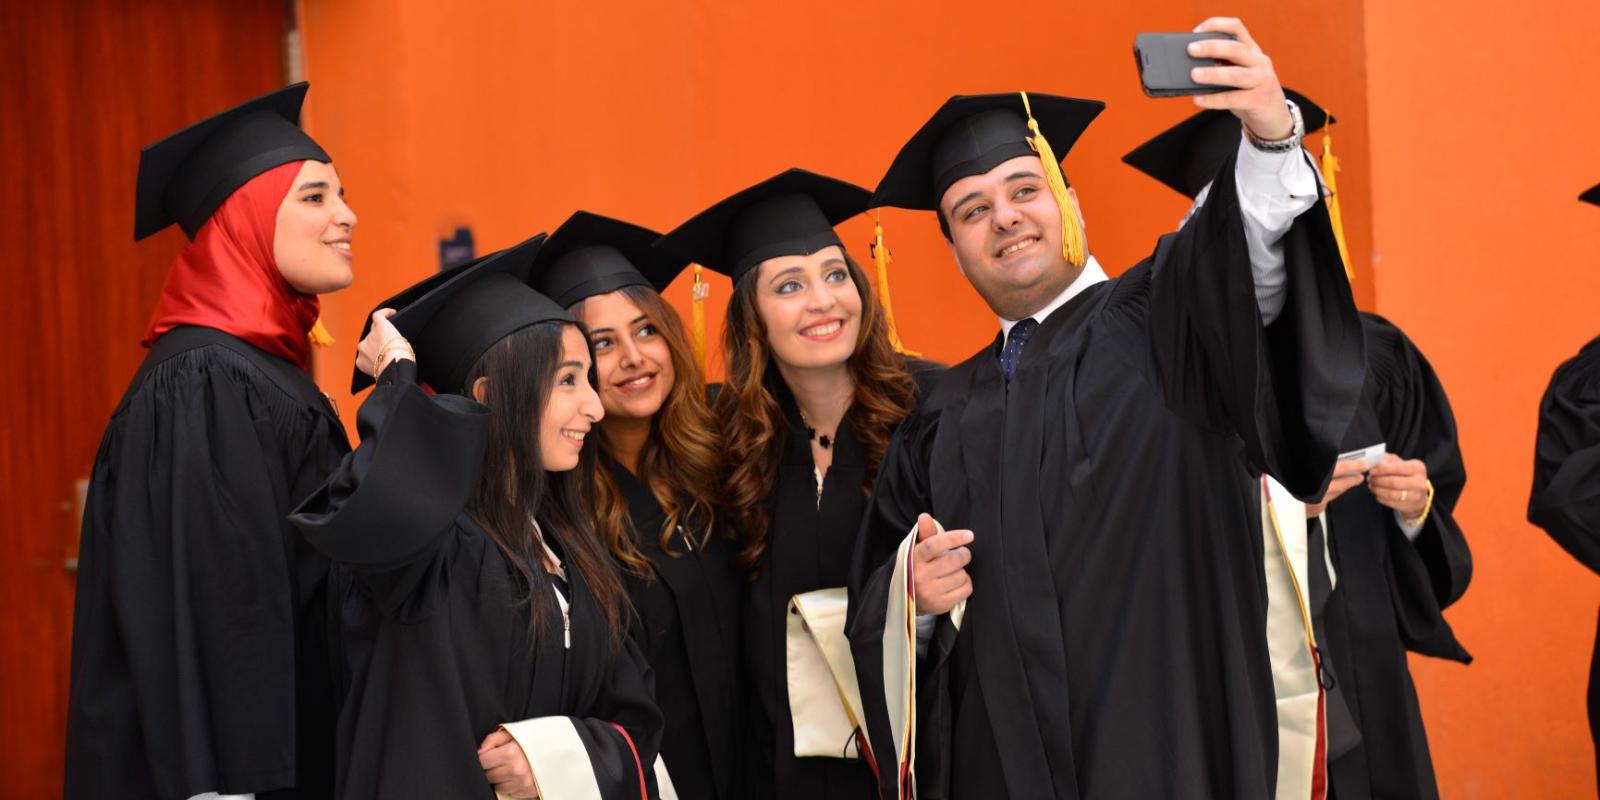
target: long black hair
516 489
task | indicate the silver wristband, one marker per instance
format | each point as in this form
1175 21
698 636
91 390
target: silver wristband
1286 144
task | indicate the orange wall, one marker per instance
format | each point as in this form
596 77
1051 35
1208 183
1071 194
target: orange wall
508 118
1482 136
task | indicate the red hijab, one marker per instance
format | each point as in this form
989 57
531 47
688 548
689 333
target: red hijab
228 279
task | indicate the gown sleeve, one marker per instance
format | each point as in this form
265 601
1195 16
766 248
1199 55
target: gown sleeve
609 756
1289 389
1566 462
1430 573
384 511
878 588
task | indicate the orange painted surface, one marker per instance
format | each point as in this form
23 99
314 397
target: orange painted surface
1482 138
508 119
1463 151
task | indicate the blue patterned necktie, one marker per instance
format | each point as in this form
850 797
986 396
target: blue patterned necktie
1015 341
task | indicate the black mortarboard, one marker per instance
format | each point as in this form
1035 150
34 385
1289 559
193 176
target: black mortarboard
1591 196
972 134
184 177
791 213
590 254
1187 155
453 317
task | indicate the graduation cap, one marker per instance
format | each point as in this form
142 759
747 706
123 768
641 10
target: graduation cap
186 176
1591 196
591 254
972 134
454 317
791 213
1187 155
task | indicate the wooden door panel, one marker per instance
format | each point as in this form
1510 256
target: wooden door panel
88 82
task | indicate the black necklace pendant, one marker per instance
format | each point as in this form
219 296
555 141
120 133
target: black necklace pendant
823 439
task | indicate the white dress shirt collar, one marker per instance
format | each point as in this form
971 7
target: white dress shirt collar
1089 276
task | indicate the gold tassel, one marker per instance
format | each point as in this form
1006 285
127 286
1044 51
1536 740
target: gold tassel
697 318
1330 165
881 257
1074 248
318 335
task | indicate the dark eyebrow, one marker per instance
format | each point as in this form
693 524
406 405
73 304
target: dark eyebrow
634 321
782 273
834 261
573 364
315 185
963 201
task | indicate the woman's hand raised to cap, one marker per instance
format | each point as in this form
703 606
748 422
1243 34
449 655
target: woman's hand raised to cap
382 342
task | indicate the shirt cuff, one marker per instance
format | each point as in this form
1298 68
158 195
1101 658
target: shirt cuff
1411 532
1274 186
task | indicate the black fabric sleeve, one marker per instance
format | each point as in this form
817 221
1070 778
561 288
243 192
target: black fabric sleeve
1426 575
1417 422
417 466
615 748
1289 390
1565 501
900 494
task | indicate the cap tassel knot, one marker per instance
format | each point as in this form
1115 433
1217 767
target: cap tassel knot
1074 248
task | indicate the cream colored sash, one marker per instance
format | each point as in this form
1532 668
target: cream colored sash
1290 639
824 700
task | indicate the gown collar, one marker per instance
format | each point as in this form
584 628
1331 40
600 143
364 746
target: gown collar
1091 274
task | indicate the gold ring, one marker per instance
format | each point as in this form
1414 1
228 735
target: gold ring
1403 494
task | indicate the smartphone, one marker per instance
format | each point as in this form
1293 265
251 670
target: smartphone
1371 454
1164 63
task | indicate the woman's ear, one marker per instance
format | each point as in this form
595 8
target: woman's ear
480 388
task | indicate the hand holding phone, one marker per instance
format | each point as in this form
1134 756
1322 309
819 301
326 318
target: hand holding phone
1164 63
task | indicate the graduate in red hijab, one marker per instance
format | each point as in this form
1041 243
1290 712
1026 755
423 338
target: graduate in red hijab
199 657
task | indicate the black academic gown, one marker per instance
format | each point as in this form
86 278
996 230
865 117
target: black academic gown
688 629
199 659
1112 646
1391 591
809 546
1566 479
433 619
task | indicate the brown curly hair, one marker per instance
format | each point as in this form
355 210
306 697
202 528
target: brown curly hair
679 459
753 425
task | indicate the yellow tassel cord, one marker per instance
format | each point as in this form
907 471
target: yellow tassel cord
882 258
1074 248
1330 166
319 336
697 318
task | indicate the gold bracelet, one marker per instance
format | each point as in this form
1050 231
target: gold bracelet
385 355
1417 521
388 343
392 342
396 339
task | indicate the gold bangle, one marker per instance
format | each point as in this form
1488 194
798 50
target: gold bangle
383 352
1416 522
389 356
391 342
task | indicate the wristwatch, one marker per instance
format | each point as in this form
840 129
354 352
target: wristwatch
1287 143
